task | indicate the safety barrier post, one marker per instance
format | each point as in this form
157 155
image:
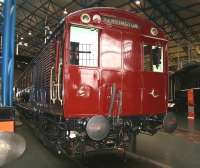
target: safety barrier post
190 99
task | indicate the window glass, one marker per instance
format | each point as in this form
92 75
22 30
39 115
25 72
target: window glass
84 46
153 58
127 51
111 49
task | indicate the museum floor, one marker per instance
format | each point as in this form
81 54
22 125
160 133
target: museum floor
178 150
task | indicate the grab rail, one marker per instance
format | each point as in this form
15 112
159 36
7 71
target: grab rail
59 80
113 93
52 85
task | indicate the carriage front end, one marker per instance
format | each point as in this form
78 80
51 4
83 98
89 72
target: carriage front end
107 82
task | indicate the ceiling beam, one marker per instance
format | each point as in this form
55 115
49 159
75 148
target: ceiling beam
32 13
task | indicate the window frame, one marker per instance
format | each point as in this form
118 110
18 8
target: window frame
154 43
98 45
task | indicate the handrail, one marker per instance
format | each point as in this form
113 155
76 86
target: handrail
52 86
113 94
119 104
59 79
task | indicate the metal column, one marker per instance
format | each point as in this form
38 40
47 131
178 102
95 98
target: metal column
8 48
8 138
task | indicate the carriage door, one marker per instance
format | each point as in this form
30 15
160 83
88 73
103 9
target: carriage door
154 77
111 78
83 72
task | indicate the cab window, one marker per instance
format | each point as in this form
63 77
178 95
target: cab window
84 46
153 58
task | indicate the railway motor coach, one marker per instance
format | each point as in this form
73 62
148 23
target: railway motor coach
100 80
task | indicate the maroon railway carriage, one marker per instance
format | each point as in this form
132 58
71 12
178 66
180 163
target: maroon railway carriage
99 81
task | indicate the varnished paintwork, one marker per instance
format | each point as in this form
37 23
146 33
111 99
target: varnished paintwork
87 90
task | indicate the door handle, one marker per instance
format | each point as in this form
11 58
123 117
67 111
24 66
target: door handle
154 94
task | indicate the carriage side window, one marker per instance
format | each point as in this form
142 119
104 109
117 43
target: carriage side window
84 46
153 58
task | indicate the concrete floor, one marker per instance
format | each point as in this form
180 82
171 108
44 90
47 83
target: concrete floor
178 150
36 155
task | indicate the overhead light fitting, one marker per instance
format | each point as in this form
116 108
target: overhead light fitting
30 33
137 2
1 2
26 44
22 38
22 44
65 11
